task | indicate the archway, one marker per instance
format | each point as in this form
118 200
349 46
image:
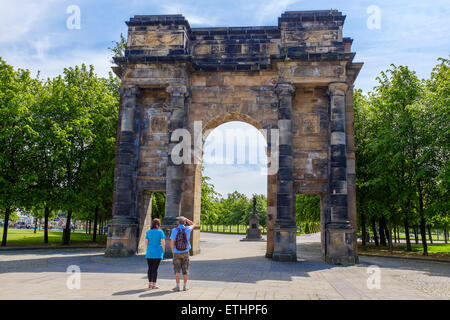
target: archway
270 77
235 161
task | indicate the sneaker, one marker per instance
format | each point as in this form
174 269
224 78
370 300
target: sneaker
185 289
176 289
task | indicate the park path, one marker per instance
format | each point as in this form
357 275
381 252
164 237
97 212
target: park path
226 269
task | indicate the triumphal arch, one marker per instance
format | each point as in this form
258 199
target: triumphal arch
295 78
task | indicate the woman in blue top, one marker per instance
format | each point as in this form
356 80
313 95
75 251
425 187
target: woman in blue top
154 240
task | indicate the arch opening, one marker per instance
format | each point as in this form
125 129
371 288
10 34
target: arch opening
233 171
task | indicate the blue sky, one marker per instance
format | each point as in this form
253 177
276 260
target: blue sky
34 35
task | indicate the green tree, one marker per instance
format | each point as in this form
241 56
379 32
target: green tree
433 114
393 144
209 208
119 47
98 170
18 93
73 99
307 208
402 138
48 162
235 208
158 205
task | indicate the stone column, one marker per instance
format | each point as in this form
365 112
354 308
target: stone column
271 213
145 217
351 163
175 172
339 232
271 195
285 248
123 228
191 201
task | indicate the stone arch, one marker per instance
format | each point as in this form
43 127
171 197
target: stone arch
193 174
294 77
214 122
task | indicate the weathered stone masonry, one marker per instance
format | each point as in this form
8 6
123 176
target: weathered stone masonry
296 77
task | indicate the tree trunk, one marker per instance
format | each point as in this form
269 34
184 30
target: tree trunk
5 227
66 232
35 225
390 236
382 232
46 216
363 228
408 239
94 237
422 220
395 234
374 229
430 235
386 231
445 235
416 235
102 217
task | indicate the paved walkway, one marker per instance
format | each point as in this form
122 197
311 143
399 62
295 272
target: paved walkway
226 269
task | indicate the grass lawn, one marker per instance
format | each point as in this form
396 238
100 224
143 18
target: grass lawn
27 237
437 251
434 236
438 247
235 230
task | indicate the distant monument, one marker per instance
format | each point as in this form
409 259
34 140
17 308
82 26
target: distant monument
253 232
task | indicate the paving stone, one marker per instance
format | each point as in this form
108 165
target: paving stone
42 275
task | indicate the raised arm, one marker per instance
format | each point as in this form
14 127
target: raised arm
189 222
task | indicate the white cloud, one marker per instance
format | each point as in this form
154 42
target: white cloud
416 24
270 9
20 17
235 142
193 14
53 65
244 179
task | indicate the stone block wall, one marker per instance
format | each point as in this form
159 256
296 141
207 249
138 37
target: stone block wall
310 140
154 140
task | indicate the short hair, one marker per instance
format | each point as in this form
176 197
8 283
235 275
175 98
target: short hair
156 224
181 220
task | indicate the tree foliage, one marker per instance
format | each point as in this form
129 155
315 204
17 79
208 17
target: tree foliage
402 139
59 144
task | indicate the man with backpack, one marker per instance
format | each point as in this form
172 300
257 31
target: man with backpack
180 244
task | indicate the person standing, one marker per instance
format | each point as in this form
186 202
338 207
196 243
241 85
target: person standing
180 244
155 242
